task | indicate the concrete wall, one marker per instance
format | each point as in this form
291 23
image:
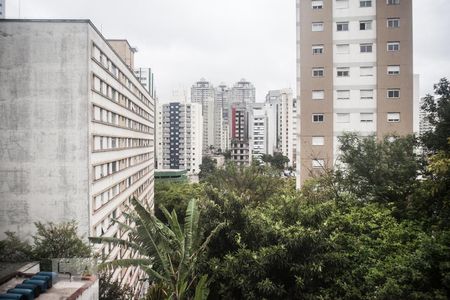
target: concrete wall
43 124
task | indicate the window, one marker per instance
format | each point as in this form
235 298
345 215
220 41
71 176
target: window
317 49
393 46
366 117
393 93
393 117
365 3
317 72
393 70
343 118
317 118
343 72
342 26
317 4
343 49
393 23
366 94
365 25
318 163
318 95
317 26
318 140
341 4
393 2
366 48
366 71
343 94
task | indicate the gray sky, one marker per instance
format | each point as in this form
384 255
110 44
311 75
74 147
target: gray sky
226 40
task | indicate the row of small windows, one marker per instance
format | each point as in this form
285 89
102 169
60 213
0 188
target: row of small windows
364 94
111 143
100 57
392 117
107 169
363 25
112 94
365 71
318 49
343 4
104 225
106 116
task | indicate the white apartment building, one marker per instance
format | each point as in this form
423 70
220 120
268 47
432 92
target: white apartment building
77 138
281 109
222 109
147 79
355 74
259 130
181 139
243 92
203 92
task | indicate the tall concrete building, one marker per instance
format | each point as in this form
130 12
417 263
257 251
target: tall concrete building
181 140
259 128
203 92
243 92
222 111
2 9
281 109
241 144
77 132
147 79
355 74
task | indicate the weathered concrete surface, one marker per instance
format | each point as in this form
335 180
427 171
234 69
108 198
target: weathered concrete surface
43 124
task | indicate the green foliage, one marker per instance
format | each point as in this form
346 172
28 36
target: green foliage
12 249
58 241
207 167
437 108
110 289
168 253
383 171
277 161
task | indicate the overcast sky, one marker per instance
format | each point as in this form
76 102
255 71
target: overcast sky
226 40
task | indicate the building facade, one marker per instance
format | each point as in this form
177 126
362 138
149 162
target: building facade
2 9
222 109
203 92
354 74
241 144
258 130
77 138
243 92
181 141
147 79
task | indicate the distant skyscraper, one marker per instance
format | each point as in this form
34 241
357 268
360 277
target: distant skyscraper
354 74
2 9
240 117
180 143
222 108
243 92
147 79
203 92
259 130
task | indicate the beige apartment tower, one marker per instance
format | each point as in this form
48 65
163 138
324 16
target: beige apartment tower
354 74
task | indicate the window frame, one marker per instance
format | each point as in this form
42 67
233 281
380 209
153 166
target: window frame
366 120
392 120
367 25
347 28
345 72
322 26
394 44
365 1
314 140
393 73
319 47
318 115
317 6
394 91
366 46
393 21
316 70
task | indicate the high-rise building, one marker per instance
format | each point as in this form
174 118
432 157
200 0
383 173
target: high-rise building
355 74
77 134
424 123
203 92
147 79
243 92
259 130
2 9
241 146
180 143
222 108
282 115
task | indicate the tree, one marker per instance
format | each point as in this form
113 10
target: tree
12 249
58 241
110 289
437 108
207 167
278 160
168 253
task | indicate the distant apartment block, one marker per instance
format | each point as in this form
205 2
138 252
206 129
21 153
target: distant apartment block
243 92
222 111
241 148
203 92
355 74
147 79
181 140
77 132
259 127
